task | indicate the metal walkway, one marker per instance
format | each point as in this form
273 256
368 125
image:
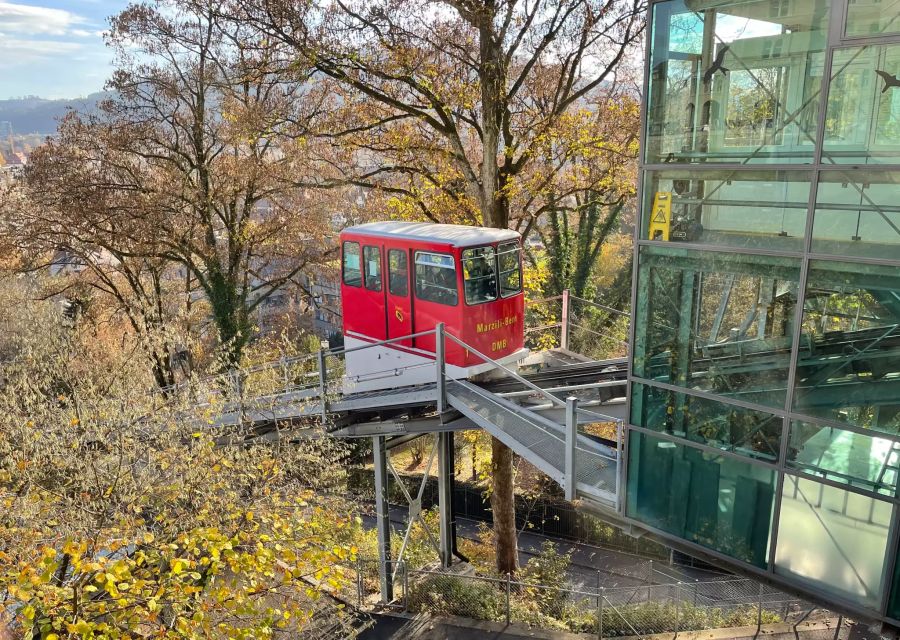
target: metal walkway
540 441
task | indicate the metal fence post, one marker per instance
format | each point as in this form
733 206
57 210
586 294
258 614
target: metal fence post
440 363
677 608
600 600
359 582
323 386
508 587
564 321
759 610
405 586
571 439
696 580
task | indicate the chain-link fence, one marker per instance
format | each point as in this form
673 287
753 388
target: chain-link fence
636 611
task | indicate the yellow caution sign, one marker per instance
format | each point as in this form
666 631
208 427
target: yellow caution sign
661 216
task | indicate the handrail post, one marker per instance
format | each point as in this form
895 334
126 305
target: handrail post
564 321
441 367
571 438
323 386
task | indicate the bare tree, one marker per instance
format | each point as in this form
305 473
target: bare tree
447 104
185 164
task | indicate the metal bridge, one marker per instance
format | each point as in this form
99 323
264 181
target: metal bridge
563 414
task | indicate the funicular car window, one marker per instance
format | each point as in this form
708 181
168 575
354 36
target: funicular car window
372 256
352 268
510 268
480 274
436 278
398 273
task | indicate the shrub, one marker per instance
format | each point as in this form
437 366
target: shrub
658 617
549 569
449 595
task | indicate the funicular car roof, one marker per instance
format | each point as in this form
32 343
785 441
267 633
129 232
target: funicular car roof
457 235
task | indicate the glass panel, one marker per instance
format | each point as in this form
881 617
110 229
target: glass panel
715 424
832 539
436 278
872 18
862 121
509 259
735 80
716 322
372 256
849 361
718 502
352 268
479 274
737 208
858 214
893 608
398 273
860 460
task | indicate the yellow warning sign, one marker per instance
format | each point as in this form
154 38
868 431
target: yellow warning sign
661 216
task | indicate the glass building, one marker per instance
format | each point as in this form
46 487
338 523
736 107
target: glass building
764 394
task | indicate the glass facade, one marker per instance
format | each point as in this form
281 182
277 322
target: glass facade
720 503
765 359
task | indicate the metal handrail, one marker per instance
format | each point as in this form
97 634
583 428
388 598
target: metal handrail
557 401
600 306
337 352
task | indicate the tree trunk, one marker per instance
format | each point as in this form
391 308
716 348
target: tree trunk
504 507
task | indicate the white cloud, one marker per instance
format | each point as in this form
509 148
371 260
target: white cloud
18 53
31 20
86 33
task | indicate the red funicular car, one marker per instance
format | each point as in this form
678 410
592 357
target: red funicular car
403 278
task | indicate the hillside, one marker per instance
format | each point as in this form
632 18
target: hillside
38 115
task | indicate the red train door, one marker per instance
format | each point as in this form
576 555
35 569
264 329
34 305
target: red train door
398 306
373 282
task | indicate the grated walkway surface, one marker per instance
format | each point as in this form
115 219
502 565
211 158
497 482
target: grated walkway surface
538 440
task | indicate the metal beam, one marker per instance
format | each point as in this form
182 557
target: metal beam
445 497
571 439
382 519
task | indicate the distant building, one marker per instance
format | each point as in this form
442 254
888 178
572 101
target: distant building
324 289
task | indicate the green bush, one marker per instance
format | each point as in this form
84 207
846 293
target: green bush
549 569
449 595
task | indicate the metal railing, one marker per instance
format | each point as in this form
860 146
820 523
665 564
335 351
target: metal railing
638 611
570 326
296 373
569 405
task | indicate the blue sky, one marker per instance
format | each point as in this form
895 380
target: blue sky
54 48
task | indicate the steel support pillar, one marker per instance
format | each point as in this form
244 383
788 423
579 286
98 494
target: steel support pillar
447 535
564 321
383 519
